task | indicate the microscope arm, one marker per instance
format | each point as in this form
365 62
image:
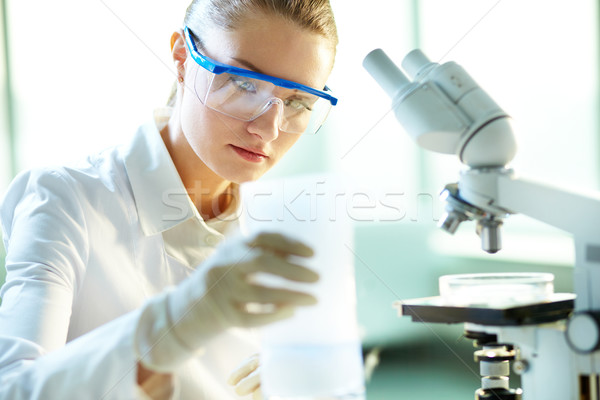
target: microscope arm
445 111
500 191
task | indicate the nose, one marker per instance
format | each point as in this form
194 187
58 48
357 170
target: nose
266 125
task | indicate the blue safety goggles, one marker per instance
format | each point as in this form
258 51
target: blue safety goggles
245 95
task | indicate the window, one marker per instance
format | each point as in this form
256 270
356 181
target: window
87 74
6 131
537 59
87 81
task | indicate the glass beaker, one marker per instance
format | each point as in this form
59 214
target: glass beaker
317 353
492 290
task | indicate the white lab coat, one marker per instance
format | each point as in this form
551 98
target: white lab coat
87 246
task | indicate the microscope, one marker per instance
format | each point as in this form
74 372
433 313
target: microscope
551 339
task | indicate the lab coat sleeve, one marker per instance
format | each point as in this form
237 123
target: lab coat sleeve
45 236
98 365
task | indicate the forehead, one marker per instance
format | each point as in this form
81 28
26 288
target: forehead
273 46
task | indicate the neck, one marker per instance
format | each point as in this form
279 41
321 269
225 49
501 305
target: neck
210 193
210 196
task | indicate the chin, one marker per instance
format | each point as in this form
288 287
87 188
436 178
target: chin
239 171
240 177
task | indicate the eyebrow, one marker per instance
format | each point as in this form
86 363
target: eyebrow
254 68
248 65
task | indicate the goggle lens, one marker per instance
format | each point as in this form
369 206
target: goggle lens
247 98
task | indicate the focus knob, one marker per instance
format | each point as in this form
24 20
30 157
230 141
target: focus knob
583 332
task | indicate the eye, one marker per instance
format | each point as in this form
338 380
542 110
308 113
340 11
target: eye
298 104
243 85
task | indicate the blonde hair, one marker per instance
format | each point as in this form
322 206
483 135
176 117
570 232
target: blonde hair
313 15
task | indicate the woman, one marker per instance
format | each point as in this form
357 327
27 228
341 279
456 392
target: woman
115 285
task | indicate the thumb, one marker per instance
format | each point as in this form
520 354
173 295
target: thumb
249 384
243 370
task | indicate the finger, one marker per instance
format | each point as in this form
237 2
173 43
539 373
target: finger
159 386
273 264
251 320
265 294
257 395
280 243
248 384
243 370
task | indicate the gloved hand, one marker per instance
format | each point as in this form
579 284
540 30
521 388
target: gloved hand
246 378
221 294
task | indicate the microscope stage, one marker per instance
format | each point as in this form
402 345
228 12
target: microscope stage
437 309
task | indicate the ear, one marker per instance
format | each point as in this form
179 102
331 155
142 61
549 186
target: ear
179 52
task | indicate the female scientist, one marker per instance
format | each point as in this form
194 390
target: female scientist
117 286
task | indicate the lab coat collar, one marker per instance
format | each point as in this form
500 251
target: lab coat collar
160 197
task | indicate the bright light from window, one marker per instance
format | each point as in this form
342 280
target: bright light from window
87 74
537 59
88 81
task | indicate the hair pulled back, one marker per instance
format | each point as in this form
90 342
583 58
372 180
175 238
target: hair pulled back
313 15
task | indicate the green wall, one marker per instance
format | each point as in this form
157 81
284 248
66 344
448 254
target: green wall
394 262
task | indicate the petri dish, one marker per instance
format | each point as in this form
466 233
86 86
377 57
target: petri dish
496 290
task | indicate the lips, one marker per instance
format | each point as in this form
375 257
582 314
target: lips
258 152
252 155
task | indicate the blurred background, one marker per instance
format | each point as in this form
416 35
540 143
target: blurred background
77 76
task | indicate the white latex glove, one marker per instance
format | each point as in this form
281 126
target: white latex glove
221 294
246 378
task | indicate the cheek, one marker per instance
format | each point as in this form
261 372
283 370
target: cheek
285 142
193 115
198 129
203 125
197 121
